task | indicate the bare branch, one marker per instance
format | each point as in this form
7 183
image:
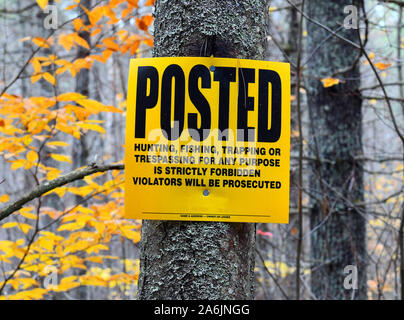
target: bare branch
55 183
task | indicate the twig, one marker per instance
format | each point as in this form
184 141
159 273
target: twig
55 183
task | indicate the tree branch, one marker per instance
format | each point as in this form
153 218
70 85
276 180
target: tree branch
55 183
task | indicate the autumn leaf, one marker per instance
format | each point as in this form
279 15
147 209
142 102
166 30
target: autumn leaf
35 78
48 77
36 64
32 158
144 22
149 42
9 225
382 66
111 45
80 41
70 96
71 6
78 24
40 42
4 198
329 82
66 41
90 126
17 164
58 143
60 157
42 3
95 107
133 3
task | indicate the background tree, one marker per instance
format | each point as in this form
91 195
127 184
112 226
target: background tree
338 236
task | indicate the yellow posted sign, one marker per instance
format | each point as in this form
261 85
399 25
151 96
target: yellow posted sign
207 139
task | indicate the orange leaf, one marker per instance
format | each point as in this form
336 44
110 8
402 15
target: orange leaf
35 78
382 66
111 45
77 24
40 42
133 3
66 41
144 22
149 42
329 82
80 41
36 65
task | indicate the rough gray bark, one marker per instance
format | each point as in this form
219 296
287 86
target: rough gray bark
202 260
338 228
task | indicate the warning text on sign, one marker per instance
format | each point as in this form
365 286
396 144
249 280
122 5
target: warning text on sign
207 139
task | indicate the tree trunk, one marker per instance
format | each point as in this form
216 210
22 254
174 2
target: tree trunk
202 260
338 229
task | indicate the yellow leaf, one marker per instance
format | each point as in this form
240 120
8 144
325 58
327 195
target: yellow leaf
93 127
96 248
9 225
36 65
32 156
71 226
92 105
42 3
24 227
70 96
17 164
67 283
35 78
27 140
48 77
58 143
95 259
382 66
60 157
53 174
4 198
29 215
329 82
